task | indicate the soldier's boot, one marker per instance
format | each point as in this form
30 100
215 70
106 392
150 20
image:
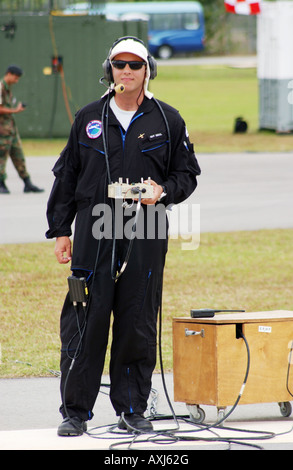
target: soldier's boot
3 188
29 187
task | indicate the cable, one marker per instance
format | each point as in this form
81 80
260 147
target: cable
217 424
206 427
133 232
80 331
162 365
115 277
63 82
169 433
168 134
244 382
65 95
105 114
171 436
54 106
288 370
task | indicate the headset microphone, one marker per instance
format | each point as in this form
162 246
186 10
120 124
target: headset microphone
118 88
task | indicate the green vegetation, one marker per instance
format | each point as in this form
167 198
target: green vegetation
209 98
245 270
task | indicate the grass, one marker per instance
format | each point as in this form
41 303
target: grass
209 98
243 270
32 292
43 147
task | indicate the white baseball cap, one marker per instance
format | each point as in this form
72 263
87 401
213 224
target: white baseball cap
136 47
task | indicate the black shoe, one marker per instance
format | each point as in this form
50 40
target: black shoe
3 188
72 427
134 422
29 187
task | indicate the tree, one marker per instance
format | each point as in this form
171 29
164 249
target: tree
215 14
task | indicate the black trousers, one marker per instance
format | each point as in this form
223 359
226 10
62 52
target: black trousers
134 300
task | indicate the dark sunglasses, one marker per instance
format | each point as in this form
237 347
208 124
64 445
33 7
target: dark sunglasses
133 64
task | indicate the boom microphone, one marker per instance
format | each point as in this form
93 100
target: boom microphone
118 88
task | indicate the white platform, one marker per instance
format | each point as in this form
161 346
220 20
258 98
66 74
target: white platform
100 439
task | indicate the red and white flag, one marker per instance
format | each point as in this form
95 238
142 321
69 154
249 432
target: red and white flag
243 7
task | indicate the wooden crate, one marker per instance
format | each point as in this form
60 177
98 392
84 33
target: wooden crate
209 368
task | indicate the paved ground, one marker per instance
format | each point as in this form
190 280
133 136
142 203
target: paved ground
236 192
246 191
29 417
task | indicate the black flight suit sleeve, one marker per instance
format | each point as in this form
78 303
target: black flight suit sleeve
61 207
184 168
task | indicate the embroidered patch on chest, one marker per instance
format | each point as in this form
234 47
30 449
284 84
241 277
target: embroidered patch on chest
94 129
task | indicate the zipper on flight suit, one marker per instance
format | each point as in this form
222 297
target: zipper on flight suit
123 136
129 390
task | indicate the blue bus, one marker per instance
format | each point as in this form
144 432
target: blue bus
173 27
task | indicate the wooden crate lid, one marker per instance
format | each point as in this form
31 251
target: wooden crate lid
246 317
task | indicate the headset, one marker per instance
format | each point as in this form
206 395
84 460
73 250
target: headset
107 67
108 76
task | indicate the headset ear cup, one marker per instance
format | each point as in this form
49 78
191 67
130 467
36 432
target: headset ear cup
153 67
107 69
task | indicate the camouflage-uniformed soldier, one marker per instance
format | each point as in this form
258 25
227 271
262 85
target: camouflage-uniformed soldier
10 143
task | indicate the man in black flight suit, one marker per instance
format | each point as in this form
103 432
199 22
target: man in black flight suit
126 134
